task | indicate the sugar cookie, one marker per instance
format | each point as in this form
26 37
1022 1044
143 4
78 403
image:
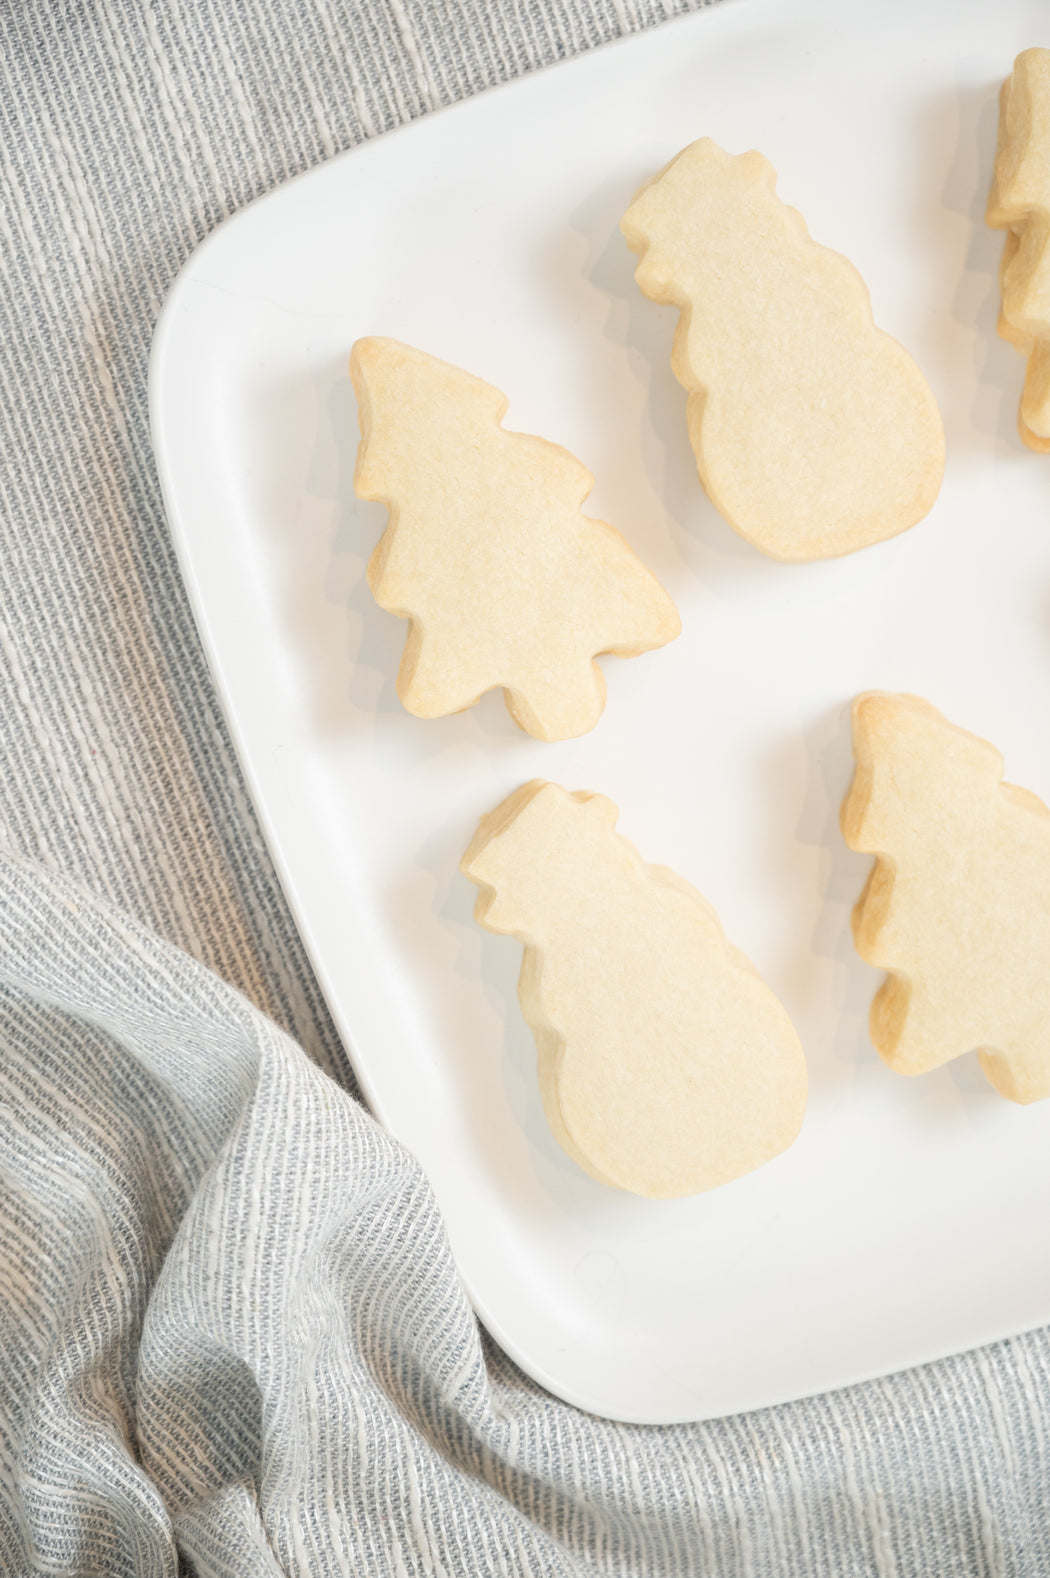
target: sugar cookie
504 581
814 432
957 907
666 1065
1019 203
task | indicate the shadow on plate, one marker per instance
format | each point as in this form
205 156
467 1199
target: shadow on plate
347 648
644 406
982 401
469 984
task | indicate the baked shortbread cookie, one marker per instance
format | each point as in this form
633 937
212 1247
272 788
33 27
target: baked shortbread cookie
503 580
814 432
666 1065
1019 203
957 907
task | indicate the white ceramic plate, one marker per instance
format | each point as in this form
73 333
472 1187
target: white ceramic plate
909 1220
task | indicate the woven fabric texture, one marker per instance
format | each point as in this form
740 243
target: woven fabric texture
232 1339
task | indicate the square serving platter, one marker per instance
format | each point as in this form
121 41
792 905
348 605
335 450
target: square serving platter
909 1219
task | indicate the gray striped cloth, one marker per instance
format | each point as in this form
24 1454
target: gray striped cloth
232 1338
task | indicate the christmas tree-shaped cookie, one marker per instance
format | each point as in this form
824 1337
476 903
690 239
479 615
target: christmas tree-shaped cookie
1019 203
814 432
666 1065
486 553
957 907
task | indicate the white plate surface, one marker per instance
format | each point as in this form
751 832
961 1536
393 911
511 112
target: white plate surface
909 1220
